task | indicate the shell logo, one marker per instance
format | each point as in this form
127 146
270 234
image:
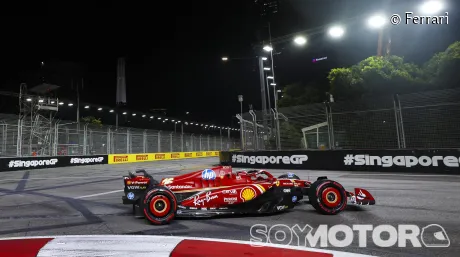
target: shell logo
248 194
277 183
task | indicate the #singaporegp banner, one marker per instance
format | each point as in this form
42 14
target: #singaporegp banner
46 162
400 160
148 157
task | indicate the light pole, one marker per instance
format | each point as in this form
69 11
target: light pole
278 133
240 99
269 101
262 68
378 21
300 41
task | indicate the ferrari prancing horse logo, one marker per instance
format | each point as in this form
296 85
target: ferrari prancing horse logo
167 181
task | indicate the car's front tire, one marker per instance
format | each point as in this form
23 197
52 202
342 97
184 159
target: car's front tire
327 197
160 205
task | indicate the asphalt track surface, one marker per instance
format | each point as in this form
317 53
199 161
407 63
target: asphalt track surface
87 200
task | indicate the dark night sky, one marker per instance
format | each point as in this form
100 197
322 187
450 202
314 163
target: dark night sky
173 52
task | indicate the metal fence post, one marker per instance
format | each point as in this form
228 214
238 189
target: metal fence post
208 144
109 140
19 139
200 142
328 127
67 139
182 142
91 142
171 142
128 141
278 130
255 137
331 124
396 121
85 139
159 141
191 139
56 138
144 141
4 137
403 138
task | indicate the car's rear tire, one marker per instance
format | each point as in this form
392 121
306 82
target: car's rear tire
327 197
159 205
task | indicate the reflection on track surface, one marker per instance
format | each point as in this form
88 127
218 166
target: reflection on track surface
87 200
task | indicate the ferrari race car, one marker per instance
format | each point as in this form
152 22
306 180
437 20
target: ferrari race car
221 191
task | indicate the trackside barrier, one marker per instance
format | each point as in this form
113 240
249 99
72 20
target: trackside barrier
26 163
416 160
158 246
148 157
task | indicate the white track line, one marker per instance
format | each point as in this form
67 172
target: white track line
105 193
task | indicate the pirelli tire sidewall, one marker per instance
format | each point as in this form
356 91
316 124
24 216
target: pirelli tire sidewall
167 197
317 193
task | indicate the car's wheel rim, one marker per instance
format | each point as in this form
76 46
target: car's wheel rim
160 205
331 197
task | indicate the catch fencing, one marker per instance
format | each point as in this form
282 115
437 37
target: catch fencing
31 137
419 120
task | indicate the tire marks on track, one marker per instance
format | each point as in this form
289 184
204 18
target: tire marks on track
22 184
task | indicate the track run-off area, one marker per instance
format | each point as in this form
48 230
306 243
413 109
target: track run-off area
86 200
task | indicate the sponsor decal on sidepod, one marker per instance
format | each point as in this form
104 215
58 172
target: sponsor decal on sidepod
137 187
209 197
179 187
230 200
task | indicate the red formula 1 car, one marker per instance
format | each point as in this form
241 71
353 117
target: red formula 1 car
220 191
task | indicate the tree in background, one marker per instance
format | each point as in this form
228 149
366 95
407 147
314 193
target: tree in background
380 75
373 76
441 71
376 75
92 120
301 94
